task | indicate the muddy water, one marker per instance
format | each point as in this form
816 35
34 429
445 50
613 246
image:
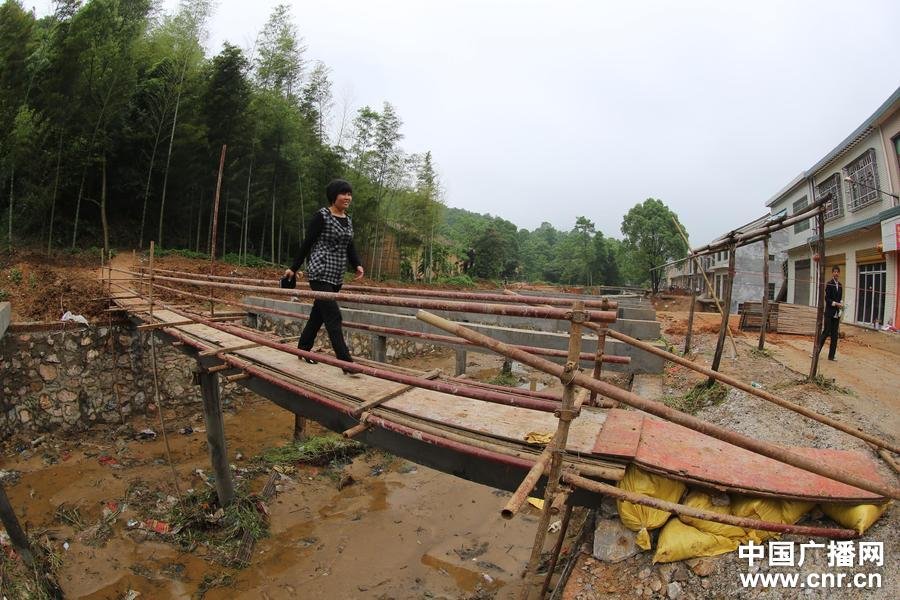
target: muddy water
398 531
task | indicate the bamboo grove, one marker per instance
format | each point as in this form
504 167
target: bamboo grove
113 117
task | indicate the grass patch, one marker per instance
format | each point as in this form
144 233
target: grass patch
700 396
507 379
756 352
829 385
18 581
198 519
319 450
456 281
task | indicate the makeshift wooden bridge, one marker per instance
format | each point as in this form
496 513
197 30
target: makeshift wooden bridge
518 440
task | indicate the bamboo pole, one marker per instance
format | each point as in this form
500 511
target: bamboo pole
709 285
598 360
690 323
557 445
726 313
773 451
557 549
520 496
820 302
764 324
215 227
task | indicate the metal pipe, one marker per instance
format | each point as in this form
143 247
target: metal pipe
603 304
775 452
689 511
608 358
603 316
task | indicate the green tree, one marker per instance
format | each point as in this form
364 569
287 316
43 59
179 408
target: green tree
651 239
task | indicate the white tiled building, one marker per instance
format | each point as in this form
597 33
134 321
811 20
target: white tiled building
862 223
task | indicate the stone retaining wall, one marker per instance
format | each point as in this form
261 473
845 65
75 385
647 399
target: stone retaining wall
63 380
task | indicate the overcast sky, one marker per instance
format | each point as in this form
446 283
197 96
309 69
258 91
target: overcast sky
544 111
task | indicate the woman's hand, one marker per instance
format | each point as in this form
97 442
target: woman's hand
360 272
288 273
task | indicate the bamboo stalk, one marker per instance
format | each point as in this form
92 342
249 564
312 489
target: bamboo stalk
557 445
775 452
520 496
557 549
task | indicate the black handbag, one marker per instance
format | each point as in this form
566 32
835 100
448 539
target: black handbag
289 283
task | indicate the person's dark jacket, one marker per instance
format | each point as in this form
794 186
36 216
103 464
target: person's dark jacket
834 292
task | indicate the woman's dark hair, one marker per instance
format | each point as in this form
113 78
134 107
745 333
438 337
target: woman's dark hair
336 187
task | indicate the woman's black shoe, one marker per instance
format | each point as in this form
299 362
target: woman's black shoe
350 373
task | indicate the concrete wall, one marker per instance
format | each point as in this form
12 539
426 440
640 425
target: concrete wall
642 362
748 261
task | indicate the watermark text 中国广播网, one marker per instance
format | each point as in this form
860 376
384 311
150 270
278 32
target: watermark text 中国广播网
782 557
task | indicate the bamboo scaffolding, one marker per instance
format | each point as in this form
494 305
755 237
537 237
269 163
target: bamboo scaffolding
756 235
567 413
520 496
775 452
737 383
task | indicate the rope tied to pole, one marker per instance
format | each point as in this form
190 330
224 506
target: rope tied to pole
569 372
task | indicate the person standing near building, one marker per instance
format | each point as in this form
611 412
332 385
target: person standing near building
834 295
329 246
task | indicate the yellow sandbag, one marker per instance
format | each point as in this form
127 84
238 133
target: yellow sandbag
768 509
679 541
702 501
643 518
855 516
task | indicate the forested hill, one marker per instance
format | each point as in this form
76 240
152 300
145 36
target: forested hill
113 120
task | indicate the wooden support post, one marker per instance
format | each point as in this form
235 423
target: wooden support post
726 311
460 362
598 359
14 529
764 323
379 348
820 302
566 415
215 436
690 323
299 428
557 549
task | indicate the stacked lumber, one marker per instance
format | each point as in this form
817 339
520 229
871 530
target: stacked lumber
796 318
783 317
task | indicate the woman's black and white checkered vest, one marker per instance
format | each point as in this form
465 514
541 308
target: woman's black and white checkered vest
328 257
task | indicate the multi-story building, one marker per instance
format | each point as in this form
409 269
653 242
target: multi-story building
862 220
748 267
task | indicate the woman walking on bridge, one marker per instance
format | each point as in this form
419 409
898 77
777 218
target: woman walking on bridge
329 246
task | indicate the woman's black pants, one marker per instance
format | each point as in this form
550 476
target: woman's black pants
329 313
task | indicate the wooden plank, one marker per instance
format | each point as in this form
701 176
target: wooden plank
673 449
433 374
498 420
621 434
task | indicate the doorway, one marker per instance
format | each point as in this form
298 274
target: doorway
870 291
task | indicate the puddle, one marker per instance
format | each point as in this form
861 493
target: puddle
465 579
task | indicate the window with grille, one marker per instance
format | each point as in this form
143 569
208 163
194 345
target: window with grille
864 174
798 206
834 208
771 291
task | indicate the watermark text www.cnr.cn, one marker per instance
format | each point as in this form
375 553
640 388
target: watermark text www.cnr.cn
786 555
